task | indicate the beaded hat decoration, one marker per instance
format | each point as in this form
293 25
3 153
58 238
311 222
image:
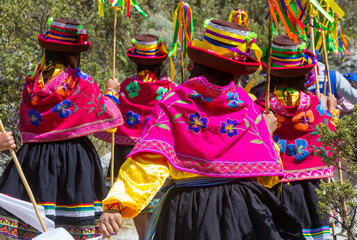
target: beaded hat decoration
231 44
289 58
64 36
148 50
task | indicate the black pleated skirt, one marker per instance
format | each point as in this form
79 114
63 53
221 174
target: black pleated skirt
66 178
300 197
242 209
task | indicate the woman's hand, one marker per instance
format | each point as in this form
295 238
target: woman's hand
271 121
110 223
113 84
331 102
7 141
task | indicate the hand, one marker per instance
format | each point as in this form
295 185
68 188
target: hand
113 84
7 141
331 102
271 121
323 99
110 223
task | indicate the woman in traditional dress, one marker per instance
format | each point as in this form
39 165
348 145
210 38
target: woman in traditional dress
209 138
299 113
60 106
138 96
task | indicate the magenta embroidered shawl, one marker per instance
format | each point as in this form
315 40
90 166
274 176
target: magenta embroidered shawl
298 138
136 101
69 105
212 131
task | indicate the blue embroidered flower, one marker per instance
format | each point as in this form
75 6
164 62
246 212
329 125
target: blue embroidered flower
81 74
321 109
35 117
201 97
297 149
132 118
229 127
234 100
146 120
197 122
61 108
281 143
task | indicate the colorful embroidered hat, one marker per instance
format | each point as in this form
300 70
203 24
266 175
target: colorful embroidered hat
289 59
64 36
226 47
148 50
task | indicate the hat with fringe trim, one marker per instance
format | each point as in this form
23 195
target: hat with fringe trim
148 50
64 36
289 59
226 47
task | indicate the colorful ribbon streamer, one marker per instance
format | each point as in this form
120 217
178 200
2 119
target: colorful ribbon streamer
326 16
120 5
183 29
286 12
239 17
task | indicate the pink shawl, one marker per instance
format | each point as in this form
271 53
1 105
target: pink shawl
69 105
298 138
136 101
212 131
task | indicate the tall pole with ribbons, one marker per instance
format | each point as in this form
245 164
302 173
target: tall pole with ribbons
117 5
267 83
183 32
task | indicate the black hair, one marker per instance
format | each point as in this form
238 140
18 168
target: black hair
155 68
212 75
297 83
67 59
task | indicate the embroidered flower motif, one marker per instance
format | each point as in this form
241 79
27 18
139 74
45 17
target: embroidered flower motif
280 120
321 108
297 149
132 118
228 127
160 92
234 100
133 88
81 74
201 97
303 119
61 108
35 117
197 122
146 120
281 143
64 88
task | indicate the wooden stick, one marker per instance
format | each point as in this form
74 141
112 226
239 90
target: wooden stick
114 40
312 41
333 223
326 62
267 84
344 202
324 90
112 163
114 52
24 181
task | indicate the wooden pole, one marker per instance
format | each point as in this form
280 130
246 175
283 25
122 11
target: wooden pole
114 52
24 181
267 84
326 61
333 227
312 41
112 163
